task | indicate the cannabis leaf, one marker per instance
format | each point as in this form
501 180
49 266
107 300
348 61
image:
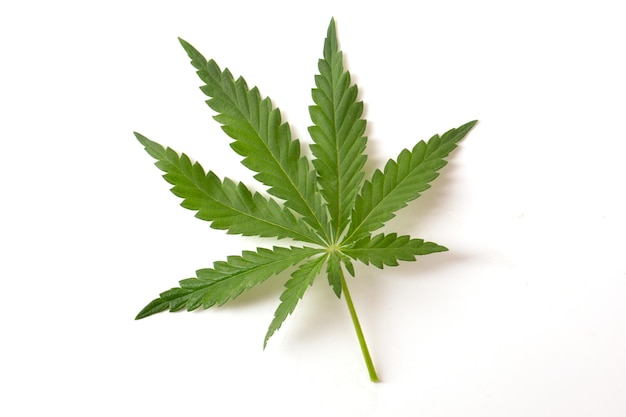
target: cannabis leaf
325 203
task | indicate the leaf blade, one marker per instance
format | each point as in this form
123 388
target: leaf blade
227 280
262 139
295 288
337 133
388 249
402 180
333 271
227 205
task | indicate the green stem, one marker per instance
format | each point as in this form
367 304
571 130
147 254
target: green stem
359 332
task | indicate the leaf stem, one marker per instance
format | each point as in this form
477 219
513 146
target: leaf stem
359 333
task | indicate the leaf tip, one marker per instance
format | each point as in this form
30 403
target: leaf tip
155 306
197 60
141 138
434 248
154 149
468 126
184 43
331 33
471 124
268 335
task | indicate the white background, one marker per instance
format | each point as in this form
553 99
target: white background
525 316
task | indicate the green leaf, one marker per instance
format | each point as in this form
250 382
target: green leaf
333 271
262 139
403 180
294 291
227 280
228 206
155 306
337 133
324 202
389 249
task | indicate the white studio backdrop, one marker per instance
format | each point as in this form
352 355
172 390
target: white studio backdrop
524 316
